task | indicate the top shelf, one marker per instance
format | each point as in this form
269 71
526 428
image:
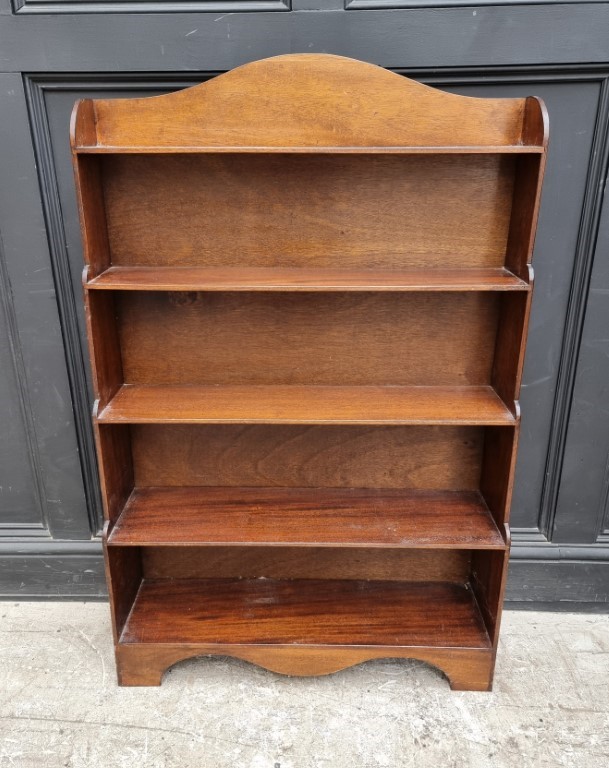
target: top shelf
501 149
299 279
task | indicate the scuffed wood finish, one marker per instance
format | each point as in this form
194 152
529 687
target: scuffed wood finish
306 100
306 517
306 612
307 291
287 279
488 577
251 404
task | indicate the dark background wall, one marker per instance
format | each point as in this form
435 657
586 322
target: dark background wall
55 51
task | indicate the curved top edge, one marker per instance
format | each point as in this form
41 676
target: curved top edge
308 100
536 122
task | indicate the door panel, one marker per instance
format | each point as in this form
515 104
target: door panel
55 51
19 507
582 513
573 109
39 353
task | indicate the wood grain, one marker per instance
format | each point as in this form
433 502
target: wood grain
104 345
124 574
306 279
467 669
510 346
498 467
528 178
308 286
90 200
308 339
305 100
170 404
309 612
283 562
305 517
488 579
115 467
370 212
182 149
428 458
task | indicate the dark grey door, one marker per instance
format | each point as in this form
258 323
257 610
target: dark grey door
54 51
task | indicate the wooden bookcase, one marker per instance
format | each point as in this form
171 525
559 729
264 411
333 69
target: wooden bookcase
307 292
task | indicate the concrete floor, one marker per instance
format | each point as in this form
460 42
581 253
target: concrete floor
60 705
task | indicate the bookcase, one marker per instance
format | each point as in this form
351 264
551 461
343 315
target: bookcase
307 291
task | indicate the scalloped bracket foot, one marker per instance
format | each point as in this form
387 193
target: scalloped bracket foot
145 664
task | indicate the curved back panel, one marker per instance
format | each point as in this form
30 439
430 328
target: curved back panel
307 101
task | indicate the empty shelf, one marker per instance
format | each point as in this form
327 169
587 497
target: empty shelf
496 149
296 404
306 612
296 279
306 517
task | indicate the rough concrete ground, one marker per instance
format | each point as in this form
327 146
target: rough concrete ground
60 705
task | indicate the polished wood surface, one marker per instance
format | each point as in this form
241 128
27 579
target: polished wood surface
368 212
307 100
467 669
303 279
310 456
343 339
306 612
104 345
310 562
307 292
179 149
306 517
251 404
115 468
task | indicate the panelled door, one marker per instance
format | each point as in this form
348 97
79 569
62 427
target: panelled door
55 51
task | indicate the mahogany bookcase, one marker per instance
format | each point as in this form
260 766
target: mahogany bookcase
307 288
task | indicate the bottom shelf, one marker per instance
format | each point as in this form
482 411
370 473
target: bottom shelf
305 612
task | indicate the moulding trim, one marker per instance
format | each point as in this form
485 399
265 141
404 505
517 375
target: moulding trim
8 310
29 7
66 301
387 5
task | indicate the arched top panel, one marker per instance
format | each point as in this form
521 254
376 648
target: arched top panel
307 102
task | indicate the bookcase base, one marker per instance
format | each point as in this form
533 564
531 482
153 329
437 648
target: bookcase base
144 664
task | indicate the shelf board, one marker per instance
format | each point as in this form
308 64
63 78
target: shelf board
294 279
303 517
306 612
298 404
501 149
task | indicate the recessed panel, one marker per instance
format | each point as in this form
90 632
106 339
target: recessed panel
308 456
311 563
415 339
288 210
